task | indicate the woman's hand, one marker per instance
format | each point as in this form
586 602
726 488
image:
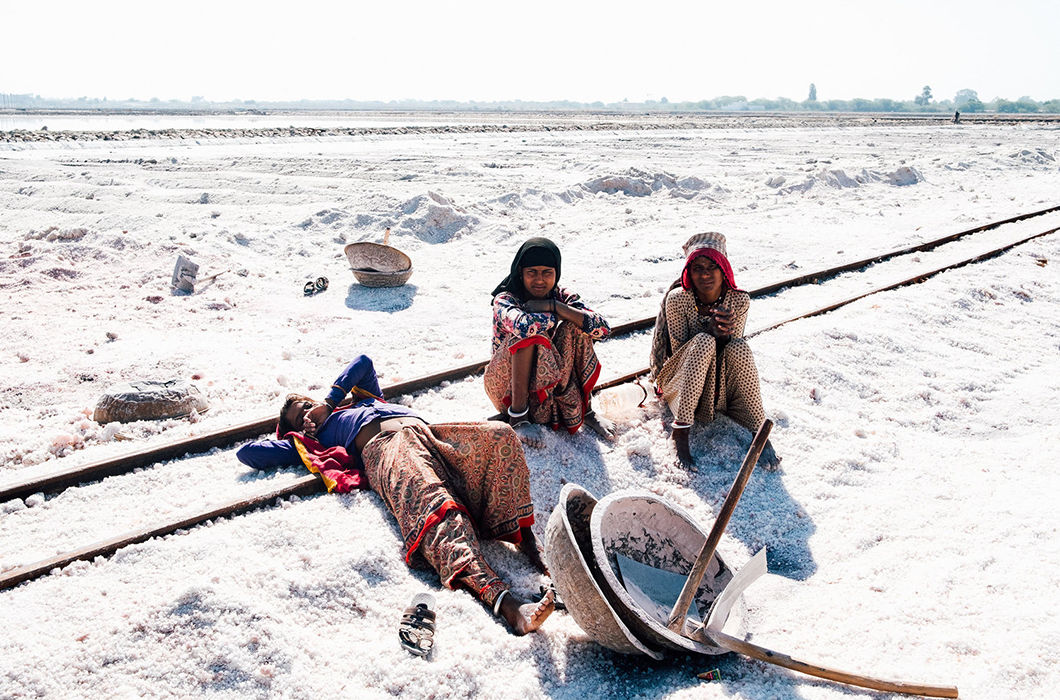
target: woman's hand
723 321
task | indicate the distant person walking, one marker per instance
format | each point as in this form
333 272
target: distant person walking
956 117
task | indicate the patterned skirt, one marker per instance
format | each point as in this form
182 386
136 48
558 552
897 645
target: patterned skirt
696 386
448 485
562 378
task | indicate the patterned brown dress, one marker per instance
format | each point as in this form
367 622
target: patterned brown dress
685 364
450 485
566 366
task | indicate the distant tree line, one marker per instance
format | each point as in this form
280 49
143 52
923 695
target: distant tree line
966 101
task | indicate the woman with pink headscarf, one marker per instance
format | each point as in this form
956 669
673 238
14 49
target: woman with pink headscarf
700 361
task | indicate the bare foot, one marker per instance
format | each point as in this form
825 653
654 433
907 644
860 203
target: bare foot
684 452
529 434
524 617
769 460
528 546
603 427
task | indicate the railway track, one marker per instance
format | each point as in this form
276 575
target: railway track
311 483
57 481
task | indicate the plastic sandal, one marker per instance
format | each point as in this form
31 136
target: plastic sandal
537 597
416 631
315 286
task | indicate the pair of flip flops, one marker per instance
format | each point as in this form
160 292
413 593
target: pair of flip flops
315 286
416 631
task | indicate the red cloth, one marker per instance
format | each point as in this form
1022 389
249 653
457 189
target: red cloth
334 464
718 258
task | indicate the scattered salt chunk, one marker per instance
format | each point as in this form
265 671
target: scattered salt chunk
12 505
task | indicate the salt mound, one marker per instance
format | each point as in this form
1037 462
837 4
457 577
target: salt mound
329 218
1036 156
838 179
531 200
613 184
805 186
434 218
905 175
53 233
638 183
633 183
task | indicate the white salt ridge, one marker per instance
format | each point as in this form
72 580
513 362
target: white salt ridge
838 179
639 183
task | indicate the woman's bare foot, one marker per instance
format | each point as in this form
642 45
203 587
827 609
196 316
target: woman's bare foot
528 546
769 460
524 617
603 427
529 433
684 452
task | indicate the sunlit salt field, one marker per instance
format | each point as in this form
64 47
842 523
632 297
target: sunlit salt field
911 529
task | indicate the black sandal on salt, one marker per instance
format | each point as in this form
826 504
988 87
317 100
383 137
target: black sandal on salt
538 597
416 631
315 286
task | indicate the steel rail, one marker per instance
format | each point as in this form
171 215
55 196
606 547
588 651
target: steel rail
57 481
915 279
307 484
312 483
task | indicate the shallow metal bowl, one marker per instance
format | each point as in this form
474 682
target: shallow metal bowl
651 531
568 553
377 265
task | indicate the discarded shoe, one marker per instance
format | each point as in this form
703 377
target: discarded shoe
416 631
315 286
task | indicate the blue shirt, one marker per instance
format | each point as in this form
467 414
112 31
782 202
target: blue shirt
340 428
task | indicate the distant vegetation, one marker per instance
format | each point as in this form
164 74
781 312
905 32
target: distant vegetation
965 101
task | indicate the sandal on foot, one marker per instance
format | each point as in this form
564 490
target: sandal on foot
538 597
416 631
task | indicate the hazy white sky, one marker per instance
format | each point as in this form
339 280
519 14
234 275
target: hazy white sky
582 50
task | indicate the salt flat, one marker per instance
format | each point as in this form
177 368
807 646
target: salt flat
911 530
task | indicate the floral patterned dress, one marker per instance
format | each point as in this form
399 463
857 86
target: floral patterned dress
565 368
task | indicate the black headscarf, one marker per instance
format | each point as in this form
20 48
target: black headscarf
536 251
